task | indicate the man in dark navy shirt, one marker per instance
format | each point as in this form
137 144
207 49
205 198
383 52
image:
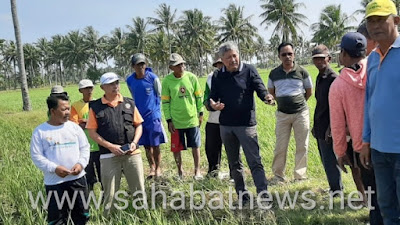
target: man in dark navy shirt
232 92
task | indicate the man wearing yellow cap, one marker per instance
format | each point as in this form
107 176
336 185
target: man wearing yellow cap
381 133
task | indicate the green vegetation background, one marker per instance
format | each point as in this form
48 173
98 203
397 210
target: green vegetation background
18 175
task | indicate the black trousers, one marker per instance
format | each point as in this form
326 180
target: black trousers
92 168
59 215
213 146
368 180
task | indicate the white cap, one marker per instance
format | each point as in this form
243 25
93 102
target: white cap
85 83
108 78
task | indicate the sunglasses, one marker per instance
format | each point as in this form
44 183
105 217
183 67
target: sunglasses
287 54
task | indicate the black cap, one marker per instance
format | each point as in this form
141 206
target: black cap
320 51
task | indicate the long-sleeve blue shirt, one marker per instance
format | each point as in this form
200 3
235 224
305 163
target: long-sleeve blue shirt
382 101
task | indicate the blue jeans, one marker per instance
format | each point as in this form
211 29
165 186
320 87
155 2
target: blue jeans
387 176
331 167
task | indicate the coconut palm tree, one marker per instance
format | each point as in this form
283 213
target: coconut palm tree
4 66
158 52
182 46
44 47
116 47
283 13
56 46
303 49
332 25
137 38
10 57
261 52
248 49
199 31
32 63
2 44
21 63
274 42
95 45
165 21
75 53
233 26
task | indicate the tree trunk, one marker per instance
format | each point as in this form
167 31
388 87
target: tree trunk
8 80
15 75
32 79
21 62
56 78
61 75
201 62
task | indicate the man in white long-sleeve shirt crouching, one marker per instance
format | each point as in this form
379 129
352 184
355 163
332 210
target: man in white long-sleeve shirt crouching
60 149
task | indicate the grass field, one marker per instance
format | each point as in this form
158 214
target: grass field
18 175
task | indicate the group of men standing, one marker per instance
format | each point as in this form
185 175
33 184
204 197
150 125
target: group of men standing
355 121
358 111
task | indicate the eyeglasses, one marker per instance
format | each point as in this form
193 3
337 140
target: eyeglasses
287 54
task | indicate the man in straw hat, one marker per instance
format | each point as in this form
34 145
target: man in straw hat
182 100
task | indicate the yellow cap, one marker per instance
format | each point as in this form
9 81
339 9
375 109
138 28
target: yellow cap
380 8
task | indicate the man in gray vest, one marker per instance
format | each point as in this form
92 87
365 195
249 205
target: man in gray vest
116 125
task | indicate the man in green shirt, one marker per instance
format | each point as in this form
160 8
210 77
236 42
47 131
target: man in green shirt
182 104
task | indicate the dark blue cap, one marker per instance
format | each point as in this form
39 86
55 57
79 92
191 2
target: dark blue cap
354 43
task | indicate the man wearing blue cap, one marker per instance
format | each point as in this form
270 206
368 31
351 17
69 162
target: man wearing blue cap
381 133
145 88
346 100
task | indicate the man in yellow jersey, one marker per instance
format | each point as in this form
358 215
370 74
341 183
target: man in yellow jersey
79 115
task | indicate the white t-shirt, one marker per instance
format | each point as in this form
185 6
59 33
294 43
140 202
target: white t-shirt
213 116
64 145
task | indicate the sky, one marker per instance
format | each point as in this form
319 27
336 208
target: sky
45 18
